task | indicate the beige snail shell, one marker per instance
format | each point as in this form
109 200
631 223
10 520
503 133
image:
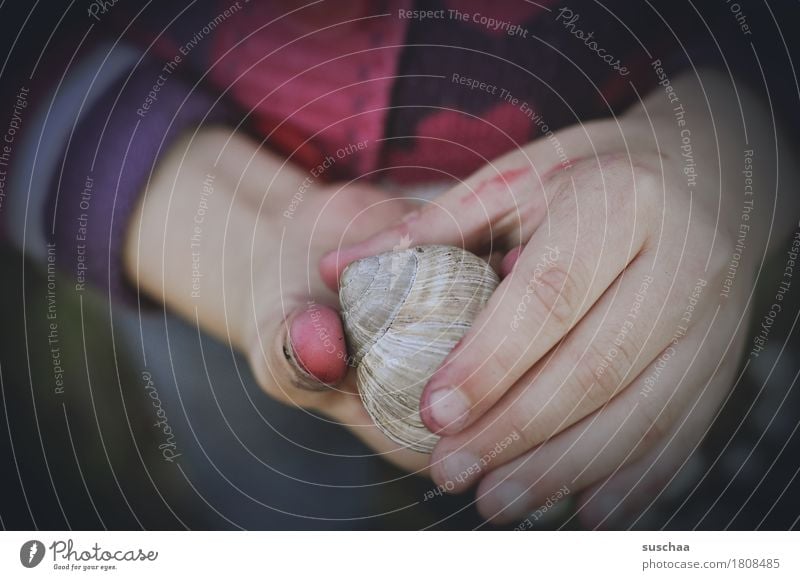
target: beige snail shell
403 312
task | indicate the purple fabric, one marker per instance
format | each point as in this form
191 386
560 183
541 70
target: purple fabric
111 156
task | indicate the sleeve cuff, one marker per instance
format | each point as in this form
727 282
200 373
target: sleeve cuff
106 166
38 148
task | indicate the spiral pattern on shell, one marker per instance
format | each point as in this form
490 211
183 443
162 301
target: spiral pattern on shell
403 313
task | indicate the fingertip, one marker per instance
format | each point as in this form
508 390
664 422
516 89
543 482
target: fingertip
509 261
328 269
425 412
332 264
316 338
444 410
495 260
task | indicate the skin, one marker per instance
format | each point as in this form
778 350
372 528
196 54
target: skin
605 353
258 267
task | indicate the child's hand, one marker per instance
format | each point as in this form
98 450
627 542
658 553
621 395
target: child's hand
607 349
296 340
229 236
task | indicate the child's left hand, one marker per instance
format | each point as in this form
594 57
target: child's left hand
604 354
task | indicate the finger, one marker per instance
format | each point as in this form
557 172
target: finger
613 500
627 329
621 432
316 346
495 260
369 210
307 367
484 207
562 271
296 358
664 471
308 349
510 260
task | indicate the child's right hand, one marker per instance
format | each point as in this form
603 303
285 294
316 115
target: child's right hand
296 345
229 236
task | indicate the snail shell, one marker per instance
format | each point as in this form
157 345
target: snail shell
403 312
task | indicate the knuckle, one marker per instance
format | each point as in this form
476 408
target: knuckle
554 293
647 198
562 184
605 369
628 180
589 381
648 183
524 425
659 417
484 372
504 360
483 388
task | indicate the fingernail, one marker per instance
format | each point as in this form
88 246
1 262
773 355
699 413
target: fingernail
332 264
509 261
460 466
315 347
510 499
347 254
299 377
447 410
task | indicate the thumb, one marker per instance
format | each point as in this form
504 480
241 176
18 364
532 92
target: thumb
300 355
315 347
